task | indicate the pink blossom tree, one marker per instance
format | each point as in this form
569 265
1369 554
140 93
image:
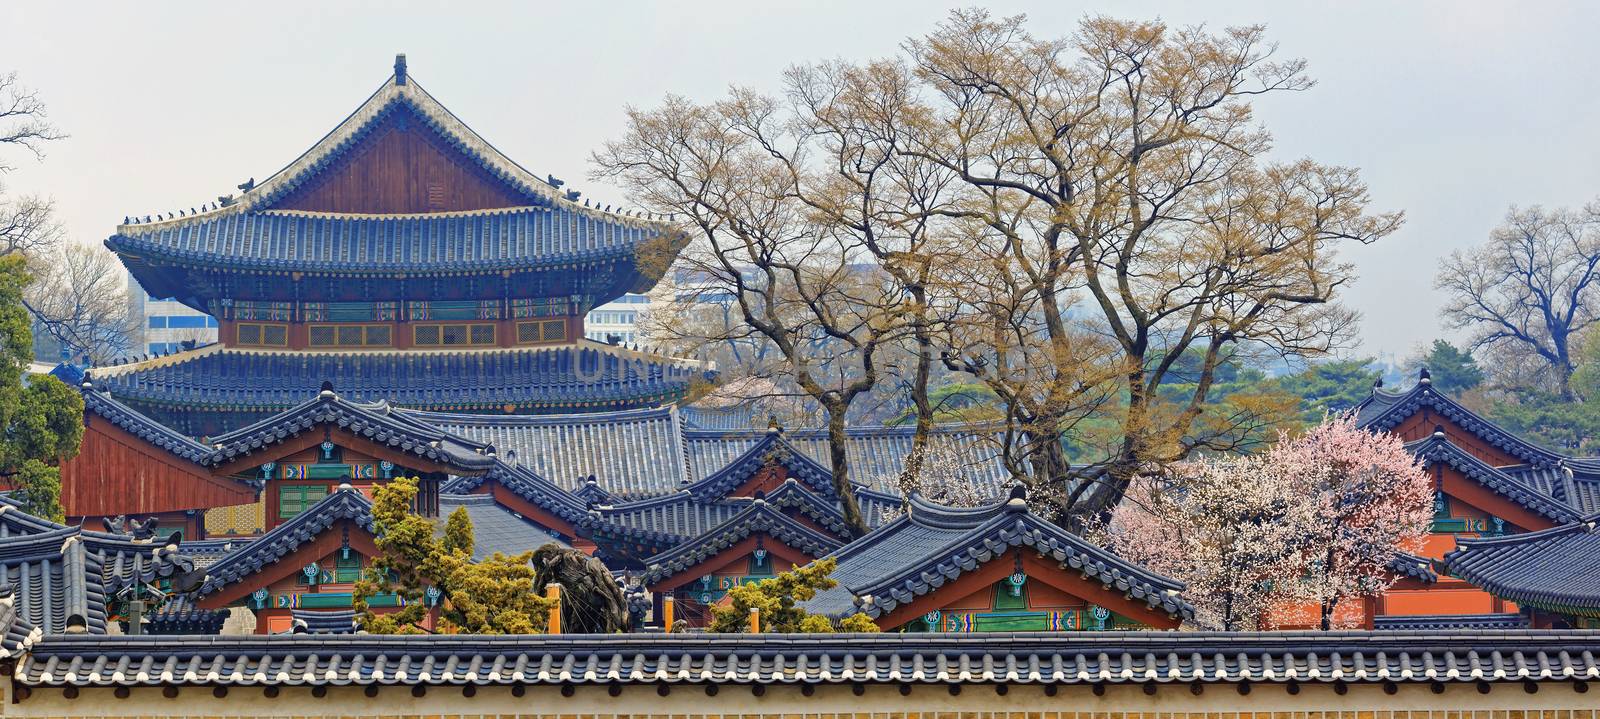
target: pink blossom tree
1313 521
1226 527
1371 499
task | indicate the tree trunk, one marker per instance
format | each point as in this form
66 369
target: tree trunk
911 474
840 464
1331 602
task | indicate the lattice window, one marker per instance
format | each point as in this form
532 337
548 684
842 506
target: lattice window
454 335
321 336
296 498
261 335
351 335
541 331
379 336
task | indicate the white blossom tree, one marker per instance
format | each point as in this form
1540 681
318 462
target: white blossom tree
1313 522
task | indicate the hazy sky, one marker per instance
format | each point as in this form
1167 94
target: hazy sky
1453 110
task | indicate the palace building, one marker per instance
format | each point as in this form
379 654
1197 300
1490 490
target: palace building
403 300
1509 521
402 258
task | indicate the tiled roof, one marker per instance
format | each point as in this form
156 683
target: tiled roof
1556 569
527 484
324 621
578 376
931 545
651 452
663 521
876 454
178 615
17 633
206 552
284 539
101 404
632 453
548 229
1132 658
772 448
1413 567
495 528
517 238
669 520
1437 622
373 422
1438 448
757 518
1385 410
59 572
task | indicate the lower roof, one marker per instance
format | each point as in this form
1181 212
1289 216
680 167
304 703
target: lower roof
640 453
1556 569
575 377
1149 657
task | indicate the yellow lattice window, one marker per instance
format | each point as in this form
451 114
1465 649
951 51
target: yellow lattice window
260 334
541 331
348 336
453 335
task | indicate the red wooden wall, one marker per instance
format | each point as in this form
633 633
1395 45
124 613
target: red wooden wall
117 473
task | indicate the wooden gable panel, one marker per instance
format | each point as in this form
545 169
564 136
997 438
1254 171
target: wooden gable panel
116 473
1067 582
1421 426
402 166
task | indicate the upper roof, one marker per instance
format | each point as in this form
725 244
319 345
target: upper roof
504 218
1385 410
1556 569
932 544
257 383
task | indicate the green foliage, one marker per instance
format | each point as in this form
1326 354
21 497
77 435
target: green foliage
458 536
1553 421
1452 370
957 402
777 599
41 422
494 596
1330 387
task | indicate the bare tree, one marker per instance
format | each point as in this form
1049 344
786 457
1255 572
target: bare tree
26 223
793 217
79 298
1118 172
1531 290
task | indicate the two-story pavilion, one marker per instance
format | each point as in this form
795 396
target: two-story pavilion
402 258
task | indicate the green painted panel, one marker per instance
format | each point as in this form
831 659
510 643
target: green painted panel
1011 622
327 471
